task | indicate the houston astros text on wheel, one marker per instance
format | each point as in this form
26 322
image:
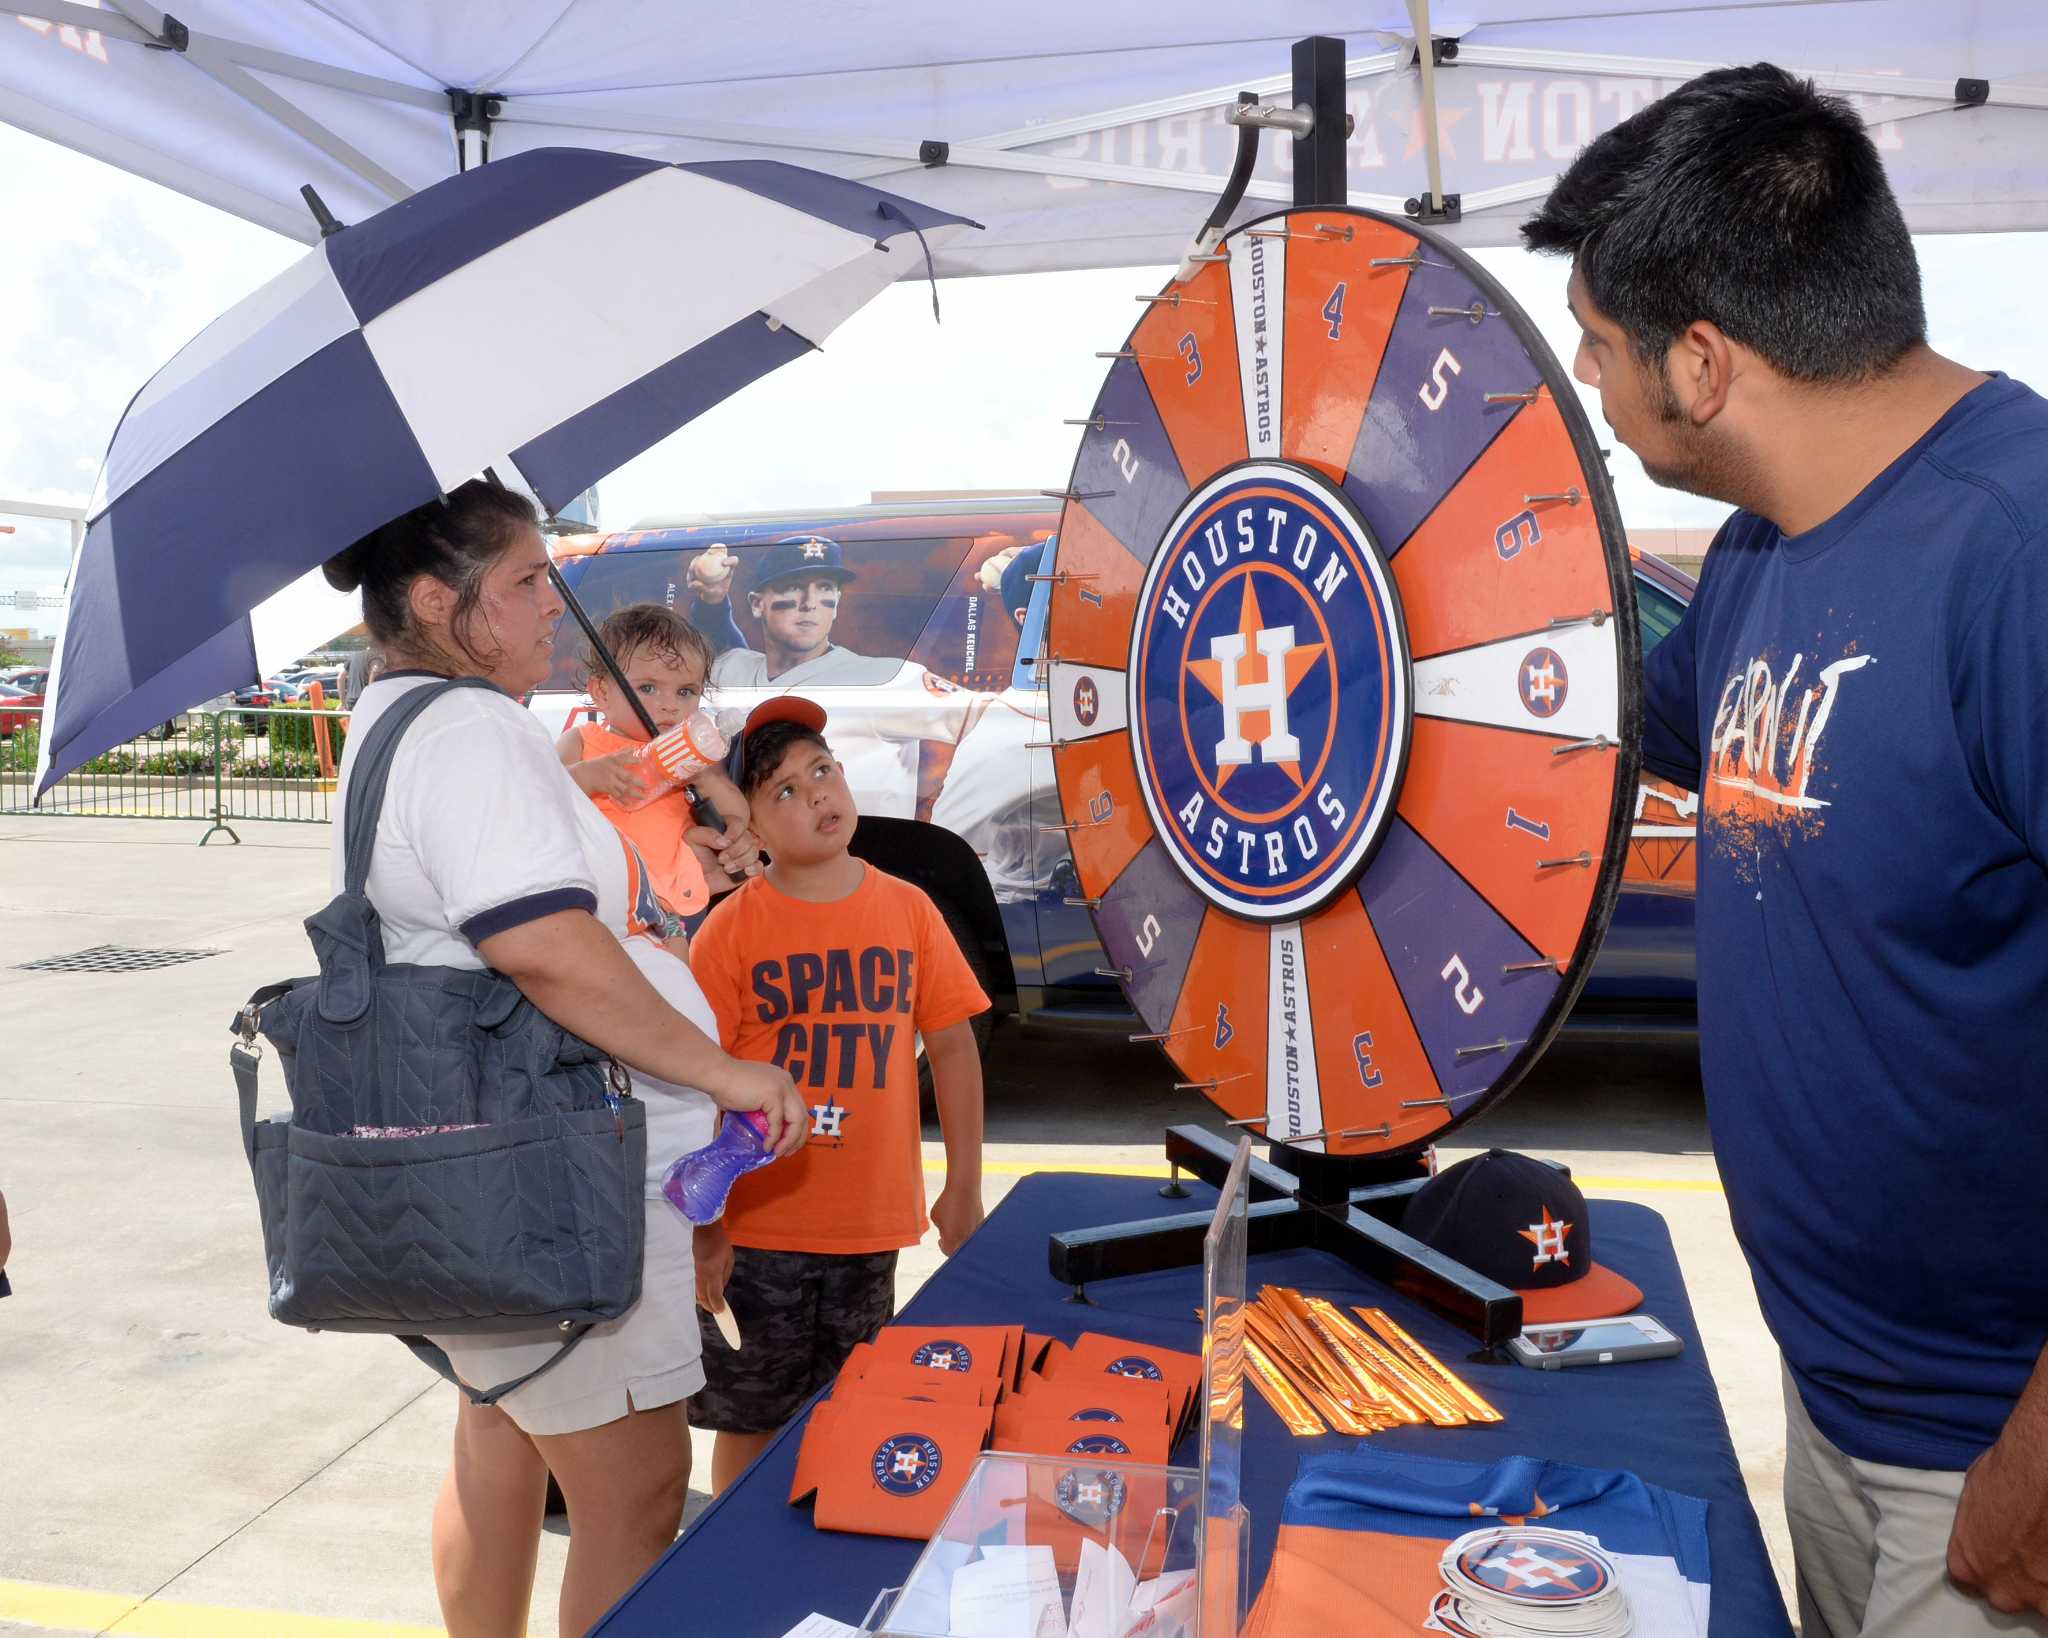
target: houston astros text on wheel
1342 662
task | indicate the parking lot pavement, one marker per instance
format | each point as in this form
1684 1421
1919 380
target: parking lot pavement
173 1464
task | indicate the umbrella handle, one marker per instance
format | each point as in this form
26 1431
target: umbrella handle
605 656
705 813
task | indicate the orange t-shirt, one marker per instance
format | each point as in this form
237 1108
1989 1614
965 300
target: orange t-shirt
656 830
836 994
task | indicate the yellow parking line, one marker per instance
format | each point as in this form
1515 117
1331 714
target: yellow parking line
73 1610
1099 1168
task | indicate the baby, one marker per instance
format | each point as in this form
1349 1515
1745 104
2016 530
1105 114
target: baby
666 660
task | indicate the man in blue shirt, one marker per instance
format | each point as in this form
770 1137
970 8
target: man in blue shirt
1859 693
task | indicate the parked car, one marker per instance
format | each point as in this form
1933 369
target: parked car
12 722
932 688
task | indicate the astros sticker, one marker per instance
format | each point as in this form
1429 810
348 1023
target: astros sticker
1135 1365
906 1464
1098 1444
944 1356
1536 1571
1270 691
1093 1495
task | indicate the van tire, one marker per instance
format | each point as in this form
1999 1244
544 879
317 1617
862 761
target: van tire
984 1022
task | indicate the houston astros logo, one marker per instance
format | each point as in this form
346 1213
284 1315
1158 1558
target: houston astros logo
1548 1237
1134 1365
944 1356
1269 691
907 1464
1098 1444
1092 1494
1535 1574
1087 703
1542 682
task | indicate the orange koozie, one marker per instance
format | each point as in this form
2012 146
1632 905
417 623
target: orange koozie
1055 1436
892 1467
1099 1398
989 1350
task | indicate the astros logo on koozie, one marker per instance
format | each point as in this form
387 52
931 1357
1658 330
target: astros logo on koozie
944 1355
1269 691
907 1464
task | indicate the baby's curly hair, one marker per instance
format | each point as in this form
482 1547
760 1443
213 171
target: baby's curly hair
636 626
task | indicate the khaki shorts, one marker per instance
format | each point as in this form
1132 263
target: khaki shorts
649 1356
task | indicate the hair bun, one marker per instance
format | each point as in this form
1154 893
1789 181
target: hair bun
344 570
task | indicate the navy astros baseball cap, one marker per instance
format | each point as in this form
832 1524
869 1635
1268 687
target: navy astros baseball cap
1524 1225
810 556
777 708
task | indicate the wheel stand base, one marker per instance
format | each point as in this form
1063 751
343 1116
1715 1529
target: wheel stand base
1346 1205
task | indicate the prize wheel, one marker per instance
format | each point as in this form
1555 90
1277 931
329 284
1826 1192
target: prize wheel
1341 661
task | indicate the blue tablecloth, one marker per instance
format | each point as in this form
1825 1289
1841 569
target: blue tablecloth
752 1566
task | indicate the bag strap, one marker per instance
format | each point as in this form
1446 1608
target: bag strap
438 1359
371 771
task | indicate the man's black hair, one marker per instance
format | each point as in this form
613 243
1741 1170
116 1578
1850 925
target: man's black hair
765 748
1748 199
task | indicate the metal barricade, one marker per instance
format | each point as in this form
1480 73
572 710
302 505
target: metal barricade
217 765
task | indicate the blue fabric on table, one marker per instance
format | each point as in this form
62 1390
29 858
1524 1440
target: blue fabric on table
753 1565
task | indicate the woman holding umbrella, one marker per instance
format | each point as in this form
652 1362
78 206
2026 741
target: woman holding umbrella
487 854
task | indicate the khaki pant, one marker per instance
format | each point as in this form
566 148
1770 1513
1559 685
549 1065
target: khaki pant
1870 1545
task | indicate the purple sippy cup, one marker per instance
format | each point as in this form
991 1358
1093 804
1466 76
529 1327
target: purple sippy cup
697 1184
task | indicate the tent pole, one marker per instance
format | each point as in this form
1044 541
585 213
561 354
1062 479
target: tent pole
1425 61
1321 172
212 60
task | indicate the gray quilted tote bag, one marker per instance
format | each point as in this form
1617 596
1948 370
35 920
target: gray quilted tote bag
453 1161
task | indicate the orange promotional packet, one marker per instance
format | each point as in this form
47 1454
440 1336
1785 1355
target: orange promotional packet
1100 1398
1055 1436
886 1467
1092 1352
990 1350
885 1379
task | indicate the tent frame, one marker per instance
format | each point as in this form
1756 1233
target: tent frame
472 111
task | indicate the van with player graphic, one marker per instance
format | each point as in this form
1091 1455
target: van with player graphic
918 626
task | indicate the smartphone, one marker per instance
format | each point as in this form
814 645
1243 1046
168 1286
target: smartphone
1593 1342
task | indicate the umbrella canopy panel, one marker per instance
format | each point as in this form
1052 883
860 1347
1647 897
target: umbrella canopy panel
465 327
1082 135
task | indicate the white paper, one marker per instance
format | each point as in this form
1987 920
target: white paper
1164 1607
815 1625
921 1606
1009 1595
1102 1593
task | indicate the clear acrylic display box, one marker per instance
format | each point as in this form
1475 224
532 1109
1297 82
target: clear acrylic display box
1058 1547
1055 1547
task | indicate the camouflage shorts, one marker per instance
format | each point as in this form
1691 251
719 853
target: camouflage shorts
800 1313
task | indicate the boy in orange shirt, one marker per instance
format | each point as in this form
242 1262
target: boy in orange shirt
831 969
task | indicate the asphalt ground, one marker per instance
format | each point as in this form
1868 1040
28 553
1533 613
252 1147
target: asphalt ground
174 1464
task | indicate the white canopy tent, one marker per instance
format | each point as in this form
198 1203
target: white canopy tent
1082 135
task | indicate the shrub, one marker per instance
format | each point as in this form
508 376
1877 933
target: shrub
292 730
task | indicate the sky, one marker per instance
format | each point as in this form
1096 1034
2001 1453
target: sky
104 276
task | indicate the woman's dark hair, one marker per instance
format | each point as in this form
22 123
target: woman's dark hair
1748 199
456 541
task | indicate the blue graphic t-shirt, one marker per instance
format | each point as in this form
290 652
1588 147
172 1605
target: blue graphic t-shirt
1864 711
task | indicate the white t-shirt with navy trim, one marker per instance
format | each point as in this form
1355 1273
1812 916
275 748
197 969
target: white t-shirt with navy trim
482 830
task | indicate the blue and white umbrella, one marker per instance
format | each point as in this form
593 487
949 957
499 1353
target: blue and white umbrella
550 316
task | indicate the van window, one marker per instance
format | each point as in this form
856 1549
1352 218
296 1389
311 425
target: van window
1657 612
917 600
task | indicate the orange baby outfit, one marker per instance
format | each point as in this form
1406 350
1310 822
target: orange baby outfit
656 830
